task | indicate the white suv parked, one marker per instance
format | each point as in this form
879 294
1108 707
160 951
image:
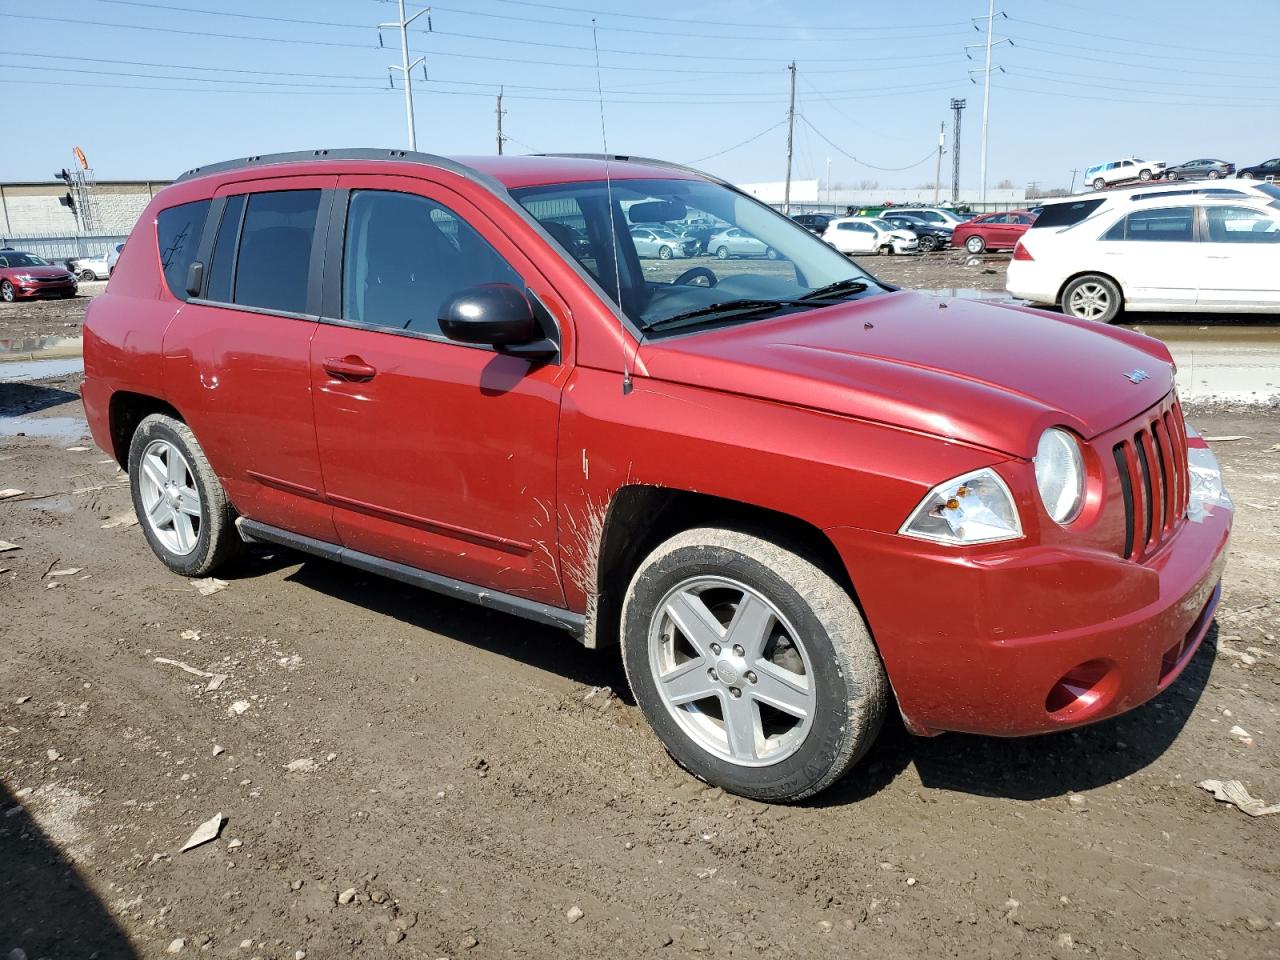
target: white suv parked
1170 251
1118 171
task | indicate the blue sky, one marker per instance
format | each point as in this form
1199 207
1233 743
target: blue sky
149 89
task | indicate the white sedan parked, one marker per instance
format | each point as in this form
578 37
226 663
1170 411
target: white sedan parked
1172 252
89 268
869 235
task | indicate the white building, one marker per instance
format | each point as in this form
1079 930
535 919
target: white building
813 193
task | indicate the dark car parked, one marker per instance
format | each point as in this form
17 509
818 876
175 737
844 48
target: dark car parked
1266 170
932 236
814 222
1200 170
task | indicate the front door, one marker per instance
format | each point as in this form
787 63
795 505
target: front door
436 454
1241 268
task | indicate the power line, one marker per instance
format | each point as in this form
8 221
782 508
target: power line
185 66
154 89
721 153
160 76
926 158
1144 42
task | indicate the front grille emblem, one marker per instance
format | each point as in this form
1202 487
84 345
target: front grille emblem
1137 376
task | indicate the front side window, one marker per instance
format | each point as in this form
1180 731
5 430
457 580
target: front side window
178 231
22 260
1241 225
405 255
753 254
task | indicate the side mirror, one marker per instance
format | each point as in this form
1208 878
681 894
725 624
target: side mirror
195 278
496 314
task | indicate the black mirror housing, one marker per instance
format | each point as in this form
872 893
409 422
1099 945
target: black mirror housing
496 314
195 278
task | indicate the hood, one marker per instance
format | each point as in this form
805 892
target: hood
40 271
902 234
990 374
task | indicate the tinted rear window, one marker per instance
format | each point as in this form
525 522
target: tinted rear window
275 250
224 251
178 231
1065 214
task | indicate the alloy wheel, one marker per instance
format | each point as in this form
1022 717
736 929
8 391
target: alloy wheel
1089 301
170 498
732 671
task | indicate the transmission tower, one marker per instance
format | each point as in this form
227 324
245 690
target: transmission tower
957 106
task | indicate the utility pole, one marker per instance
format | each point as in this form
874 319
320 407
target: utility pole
500 112
791 129
404 66
937 172
991 41
1074 171
957 106
828 181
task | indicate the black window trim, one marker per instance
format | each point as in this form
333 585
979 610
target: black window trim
329 309
1197 220
315 266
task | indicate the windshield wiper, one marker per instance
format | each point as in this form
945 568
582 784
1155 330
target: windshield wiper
716 310
848 285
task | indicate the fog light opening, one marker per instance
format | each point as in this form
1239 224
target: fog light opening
1082 689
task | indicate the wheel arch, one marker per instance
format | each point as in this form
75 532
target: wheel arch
126 410
641 516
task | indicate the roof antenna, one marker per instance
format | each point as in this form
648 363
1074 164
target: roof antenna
613 223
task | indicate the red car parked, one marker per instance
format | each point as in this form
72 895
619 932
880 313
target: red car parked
24 275
796 498
993 231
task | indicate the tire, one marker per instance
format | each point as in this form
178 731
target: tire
1092 297
840 679
771 254
975 244
1099 184
928 243
88 275
1170 175
722 253
664 253
886 251
1144 175
214 541
1246 175
8 293
1214 174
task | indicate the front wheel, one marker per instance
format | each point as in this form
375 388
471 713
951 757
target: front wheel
752 665
1099 183
928 243
722 253
664 253
1092 297
975 244
185 514
1245 176
8 292
1170 175
88 275
1144 175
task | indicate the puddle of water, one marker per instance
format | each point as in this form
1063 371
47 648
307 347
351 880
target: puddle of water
46 428
32 348
20 371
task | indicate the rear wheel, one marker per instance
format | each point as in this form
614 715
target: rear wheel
722 253
184 511
1214 174
975 244
1170 175
88 275
1245 176
752 665
771 254
1144 175
1099 183
1092 297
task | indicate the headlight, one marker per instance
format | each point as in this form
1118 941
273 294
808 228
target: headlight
25 276
974 508
1206 488
1060 474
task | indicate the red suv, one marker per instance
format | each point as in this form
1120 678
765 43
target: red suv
994 231
796 498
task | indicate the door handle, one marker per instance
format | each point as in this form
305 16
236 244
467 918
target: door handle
352 369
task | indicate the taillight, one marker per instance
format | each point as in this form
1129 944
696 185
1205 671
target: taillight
1021 253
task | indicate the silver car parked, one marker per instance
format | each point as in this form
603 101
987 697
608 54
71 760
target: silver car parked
736 242
661 243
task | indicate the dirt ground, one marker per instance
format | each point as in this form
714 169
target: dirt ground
477 780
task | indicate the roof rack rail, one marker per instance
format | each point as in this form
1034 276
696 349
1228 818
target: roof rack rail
343 153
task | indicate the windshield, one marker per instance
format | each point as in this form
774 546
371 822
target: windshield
756 263
21 260
884 224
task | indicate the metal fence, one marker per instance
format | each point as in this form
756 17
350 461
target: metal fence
63 246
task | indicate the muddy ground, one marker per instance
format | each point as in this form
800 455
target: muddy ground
474 778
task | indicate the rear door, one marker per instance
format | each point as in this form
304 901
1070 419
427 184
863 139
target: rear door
236 357
436 454
1241 267
1155 256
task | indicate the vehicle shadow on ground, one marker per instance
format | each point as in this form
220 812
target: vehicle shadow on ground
539 646
46 908
1035 768
20 398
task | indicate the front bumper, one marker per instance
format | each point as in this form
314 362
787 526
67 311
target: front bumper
984 644
26 289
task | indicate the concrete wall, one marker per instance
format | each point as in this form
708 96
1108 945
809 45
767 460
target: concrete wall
34 208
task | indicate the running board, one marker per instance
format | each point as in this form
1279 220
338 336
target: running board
253 531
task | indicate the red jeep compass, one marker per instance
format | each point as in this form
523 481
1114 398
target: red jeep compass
796 497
